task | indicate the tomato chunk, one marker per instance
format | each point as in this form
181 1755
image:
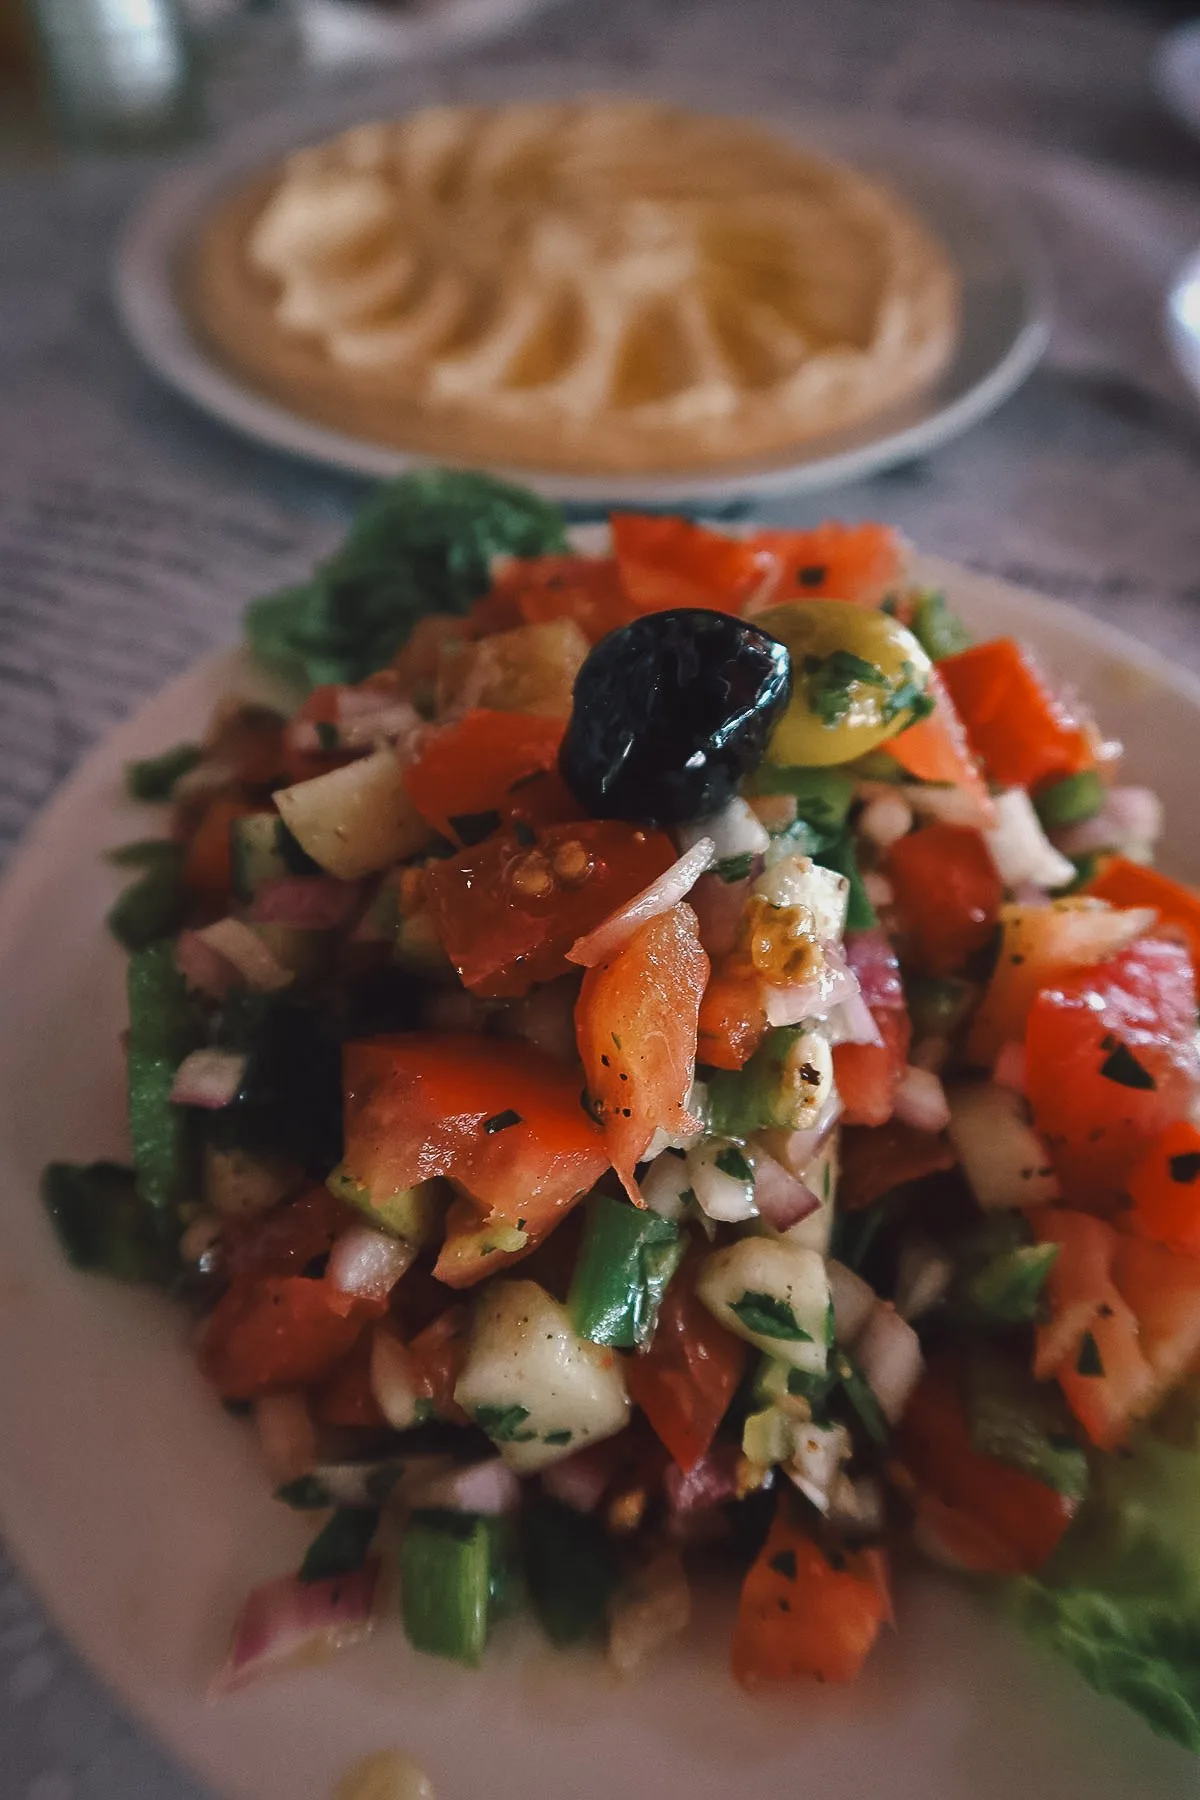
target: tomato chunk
690 1373
1091 1342
1110 1061
508 910
1125 883
1021 731
636 1021
1163 1290
531 590
1165 1188
868 1075
947 895
733 1017
667 562
937 748
1023 1518
345 1397
500 1118
284 1240
801 1613
834 561
476 766
279 1331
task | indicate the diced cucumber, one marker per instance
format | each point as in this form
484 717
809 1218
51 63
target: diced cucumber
155 905
625 1261
1003 1158
1070 800
254 854
412 1213
163 1028
537 1388
774 1294
355 819
446 1584
783 1087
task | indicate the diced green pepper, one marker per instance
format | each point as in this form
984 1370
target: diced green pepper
144 853
163 1029
765 1094
154 778
1001 1272
446 1584
1070 801
153 906
625 1261
938 631
342 1544
570 1569
102 1223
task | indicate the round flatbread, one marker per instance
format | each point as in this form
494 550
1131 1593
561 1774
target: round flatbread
606 285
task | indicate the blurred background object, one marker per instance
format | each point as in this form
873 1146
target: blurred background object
118 73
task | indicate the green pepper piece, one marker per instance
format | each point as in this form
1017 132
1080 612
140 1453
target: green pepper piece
162 1030
446 1584
625 1261
154 777
1070 801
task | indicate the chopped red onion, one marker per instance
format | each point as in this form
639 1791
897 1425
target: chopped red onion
781 1197
283 1621
853 1300
1009 1069
921 1100
545 1018
582 1480
672 886
707 1483
307 902
735 831
889 1354
394 1381
1130 819
241 945
365 715
488 1487
286 1434
368 1263
209 1078
871 958
949 805
834 985
853 1022
203 967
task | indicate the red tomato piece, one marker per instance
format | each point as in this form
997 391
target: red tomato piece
207 863
834 561
286 1239
507 911
1165 1188
1163 1290
344 1398
502 1119
803 1613
877 1160
1125 883
1023 1517
937 748
733 1017
672 562
690 1373
1091 1342
532 590
1022 732
868 1074
478 765
636 1021
1110 1062
279 1331
948 895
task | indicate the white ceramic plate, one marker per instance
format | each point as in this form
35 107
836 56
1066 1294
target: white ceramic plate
1176 71
139 1508
336 33
1183 321
1005 322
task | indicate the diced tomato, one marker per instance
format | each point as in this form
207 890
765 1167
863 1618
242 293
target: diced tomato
690 1373
279 1331
1091 1341
668 562
875 1161
1163 1290
1125 883
803 1613
1165 1188
636 1022
477 765
834 561
502 1119
508 910
733 1017
947 895
1023 733
868 1075
285 1240
207 863
937 748
531 590
344 1397
1110 1062
438 1354
1023 1517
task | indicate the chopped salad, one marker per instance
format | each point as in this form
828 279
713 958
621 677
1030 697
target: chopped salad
671 1059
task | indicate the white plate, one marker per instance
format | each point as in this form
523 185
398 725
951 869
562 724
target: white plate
140 1510
1005 320
1176 72
1183 320
338 33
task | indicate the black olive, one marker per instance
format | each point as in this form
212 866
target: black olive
670 712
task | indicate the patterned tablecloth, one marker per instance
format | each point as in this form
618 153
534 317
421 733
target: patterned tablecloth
132 530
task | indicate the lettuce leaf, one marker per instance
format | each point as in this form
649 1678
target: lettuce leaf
1121 1598
421 544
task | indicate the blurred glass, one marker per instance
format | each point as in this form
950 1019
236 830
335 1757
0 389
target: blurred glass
121 74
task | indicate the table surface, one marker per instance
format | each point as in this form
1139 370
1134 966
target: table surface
132 530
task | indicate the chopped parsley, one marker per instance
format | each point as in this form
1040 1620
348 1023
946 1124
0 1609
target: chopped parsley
1089 1361
342 1545
767 1316
829 682
472 828
735 868
908 696
785 1564
861 1396
501 1121
503 1423
1185 1167
732 1162
1122 1066
307 1493
558 1437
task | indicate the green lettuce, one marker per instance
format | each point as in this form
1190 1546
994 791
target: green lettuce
421 544
1121 1598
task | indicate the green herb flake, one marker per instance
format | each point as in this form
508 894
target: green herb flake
861 1395
307 1493
154 778
1122 1066
785 1564
733 1162
1089 1361
501 1121
829 683
767 1316
557 1437
328 735
503 1423
342 1545
472 828
1185 1167
909 695
735 868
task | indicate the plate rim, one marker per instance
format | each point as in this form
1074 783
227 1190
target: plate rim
233 663
151 236
1175 74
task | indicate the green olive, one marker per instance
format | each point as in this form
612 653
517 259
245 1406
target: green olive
858 678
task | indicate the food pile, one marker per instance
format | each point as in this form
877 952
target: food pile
667 1060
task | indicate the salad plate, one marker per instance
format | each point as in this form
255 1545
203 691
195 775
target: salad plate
139 1509
1005 303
